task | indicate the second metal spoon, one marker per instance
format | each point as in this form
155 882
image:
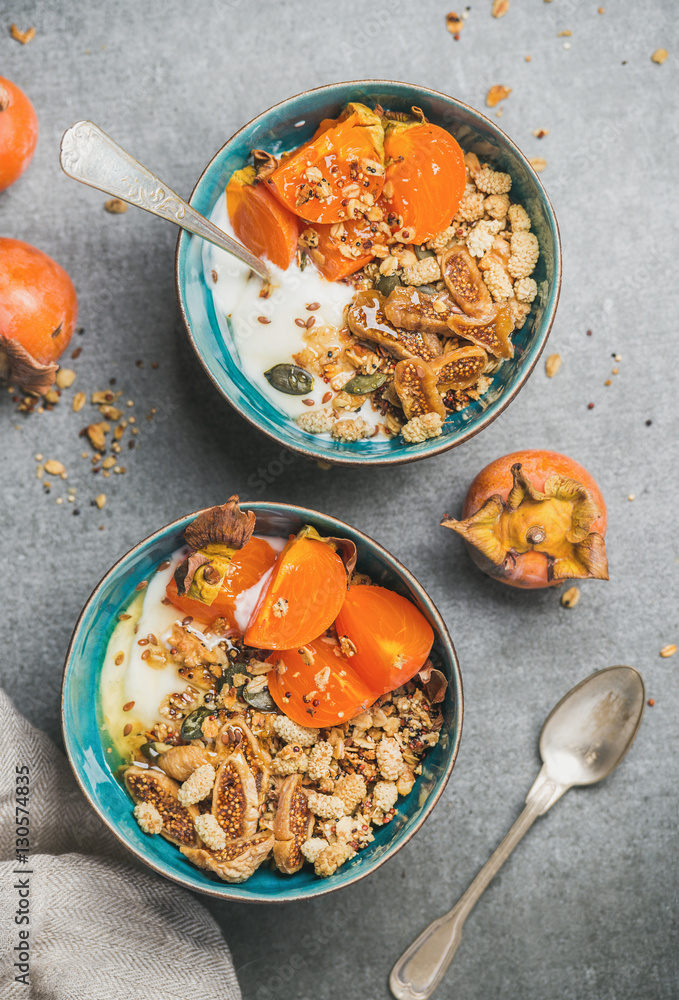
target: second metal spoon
584 737
91 156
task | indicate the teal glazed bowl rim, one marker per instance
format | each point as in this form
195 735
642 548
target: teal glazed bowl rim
291 122
85 733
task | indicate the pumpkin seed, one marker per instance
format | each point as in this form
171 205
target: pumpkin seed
421 252
150 751
428 289
386 283
291 379
361 384
260 700
192 724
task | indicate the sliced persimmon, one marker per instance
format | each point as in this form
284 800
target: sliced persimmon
347 153
303 596
316 685
339 240
247 566
259 220
391 637
424 177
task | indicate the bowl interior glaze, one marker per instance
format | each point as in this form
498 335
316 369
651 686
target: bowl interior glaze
286 126
86 739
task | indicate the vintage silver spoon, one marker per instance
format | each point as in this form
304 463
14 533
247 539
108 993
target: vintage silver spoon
584 737
89 155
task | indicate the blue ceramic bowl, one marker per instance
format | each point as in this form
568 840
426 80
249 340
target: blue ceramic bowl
293 122
86 738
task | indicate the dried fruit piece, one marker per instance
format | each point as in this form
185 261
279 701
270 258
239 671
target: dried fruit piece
235 801
237 860
146 785
292 825
411 309
237 735
367 320
465 283
180 762
496 94
416 388
492 332
458 369
552 365
534 518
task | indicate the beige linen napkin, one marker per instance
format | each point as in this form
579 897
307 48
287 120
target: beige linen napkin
99 926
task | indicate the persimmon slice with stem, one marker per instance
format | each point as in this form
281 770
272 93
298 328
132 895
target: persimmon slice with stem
303 596
247 566
342 162
424 177
391 637
259 220
316 685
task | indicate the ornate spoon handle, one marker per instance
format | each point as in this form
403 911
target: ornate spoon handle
89 155
421 967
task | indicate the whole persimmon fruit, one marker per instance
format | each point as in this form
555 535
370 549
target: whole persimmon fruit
534 519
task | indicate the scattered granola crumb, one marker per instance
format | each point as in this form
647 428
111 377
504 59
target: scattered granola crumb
280 608
570 597
100 500
65 378
668 650
540 133
115 206
148 817
552 365
500 8
454 24
79 401
22 36
210 832
564 34
54 468
631 497
496 94
659 56
538 163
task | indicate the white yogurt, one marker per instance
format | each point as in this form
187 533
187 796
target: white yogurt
260 346
133 680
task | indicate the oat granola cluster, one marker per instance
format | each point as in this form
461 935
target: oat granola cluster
233 785
429 324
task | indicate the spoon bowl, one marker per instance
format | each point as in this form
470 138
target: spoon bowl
589 731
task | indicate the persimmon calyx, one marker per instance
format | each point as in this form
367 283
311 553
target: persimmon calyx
555 521
214 537
19 366
344 548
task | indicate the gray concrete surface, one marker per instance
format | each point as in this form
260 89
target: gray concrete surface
587 907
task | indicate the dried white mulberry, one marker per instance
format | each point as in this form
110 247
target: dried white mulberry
197 786
480 239
419 429
425 272
320 756
524 254
329 860
351 788
291 732
148 817
518 218
325 806
496 205
350 429
389 758
312 847
440 242
210 832
525 289
385 794
471 207
290 760
492 181
316 421
498 281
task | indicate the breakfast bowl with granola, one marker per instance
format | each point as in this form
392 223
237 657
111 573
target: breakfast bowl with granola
261 702
414 272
